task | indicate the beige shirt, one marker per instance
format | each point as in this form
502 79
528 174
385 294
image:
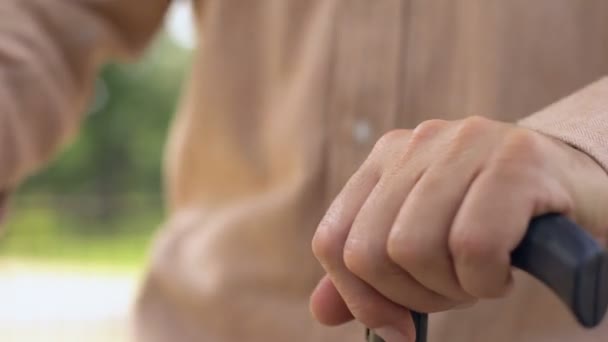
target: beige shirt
285 99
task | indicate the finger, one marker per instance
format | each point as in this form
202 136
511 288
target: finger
363 301
366 304
418 241
491 221
365 252
328 240
370 307
495 214
327 306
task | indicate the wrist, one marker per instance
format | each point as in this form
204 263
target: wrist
587 182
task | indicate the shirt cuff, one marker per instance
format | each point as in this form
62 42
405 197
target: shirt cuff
580 120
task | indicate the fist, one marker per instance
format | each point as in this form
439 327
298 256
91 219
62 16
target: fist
430 219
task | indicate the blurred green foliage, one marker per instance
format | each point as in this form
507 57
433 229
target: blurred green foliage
43 234
100 199
119 147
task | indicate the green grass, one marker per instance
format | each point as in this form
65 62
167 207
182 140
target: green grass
52 236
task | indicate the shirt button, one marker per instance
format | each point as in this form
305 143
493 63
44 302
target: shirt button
362 131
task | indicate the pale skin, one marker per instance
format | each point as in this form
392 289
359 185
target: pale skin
429 220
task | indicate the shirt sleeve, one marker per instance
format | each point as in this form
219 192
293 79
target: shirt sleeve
580 120
49 54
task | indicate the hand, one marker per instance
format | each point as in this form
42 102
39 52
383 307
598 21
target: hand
429 220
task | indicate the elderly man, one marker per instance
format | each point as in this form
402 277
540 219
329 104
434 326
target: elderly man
286 99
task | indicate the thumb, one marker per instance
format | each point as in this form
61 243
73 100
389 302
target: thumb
327 306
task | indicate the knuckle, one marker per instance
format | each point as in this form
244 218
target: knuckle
520 146
405 143
391 148
359 260
470 128
426 130
477 121
469 247
465 135
405 252
390 138
431 126
326 244
519 160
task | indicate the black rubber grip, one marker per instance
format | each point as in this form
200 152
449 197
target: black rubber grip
569 261
566 259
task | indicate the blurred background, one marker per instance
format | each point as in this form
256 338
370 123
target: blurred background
76 240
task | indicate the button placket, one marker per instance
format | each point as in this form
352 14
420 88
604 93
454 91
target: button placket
365 82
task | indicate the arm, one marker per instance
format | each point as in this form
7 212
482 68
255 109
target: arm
430 219
49 54
580 120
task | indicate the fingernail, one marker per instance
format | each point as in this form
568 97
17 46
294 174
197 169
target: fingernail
390 334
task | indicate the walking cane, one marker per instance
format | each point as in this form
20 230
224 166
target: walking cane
566 259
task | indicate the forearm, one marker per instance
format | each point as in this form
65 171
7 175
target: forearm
49 54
